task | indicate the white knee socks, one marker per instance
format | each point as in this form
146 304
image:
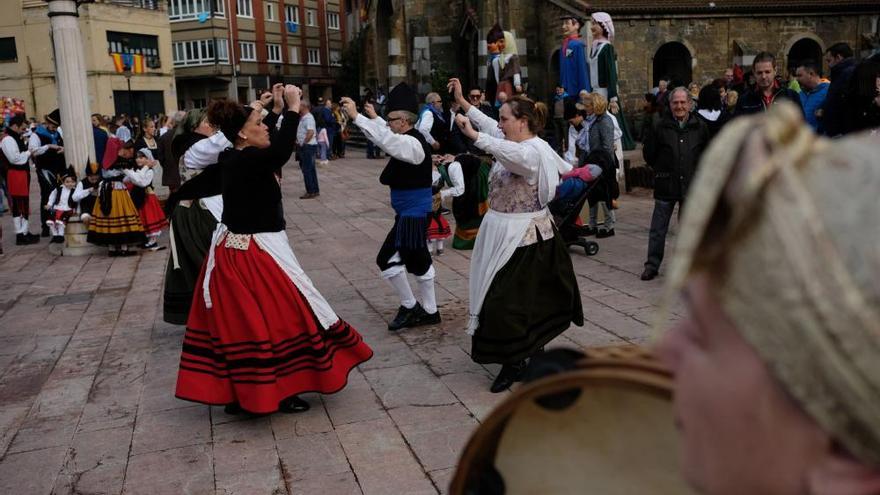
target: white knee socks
426 290
396 276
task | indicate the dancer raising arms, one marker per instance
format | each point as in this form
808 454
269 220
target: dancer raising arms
523 291
259 333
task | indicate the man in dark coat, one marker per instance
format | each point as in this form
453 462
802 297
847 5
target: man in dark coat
767 91
170 167
835 111
672 148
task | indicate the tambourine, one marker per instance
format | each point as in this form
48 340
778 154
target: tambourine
603 428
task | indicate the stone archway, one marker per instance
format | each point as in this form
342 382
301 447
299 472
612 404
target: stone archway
801 48
675 61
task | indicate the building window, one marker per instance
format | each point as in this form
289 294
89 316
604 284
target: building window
140 44
199 52
273 52
181 10
333 20
335 58
314 56
248 51
291 13
294 55
222 50
270 12
310 17
8 53
244 8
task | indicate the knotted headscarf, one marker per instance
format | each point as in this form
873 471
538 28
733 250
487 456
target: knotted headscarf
605 21
787 225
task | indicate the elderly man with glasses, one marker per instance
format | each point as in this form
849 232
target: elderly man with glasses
432 123
408 175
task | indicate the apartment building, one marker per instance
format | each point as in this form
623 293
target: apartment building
125 27
236 48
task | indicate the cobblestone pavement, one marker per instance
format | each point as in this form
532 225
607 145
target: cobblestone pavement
88 367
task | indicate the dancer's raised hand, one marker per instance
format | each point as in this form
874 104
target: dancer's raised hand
293 96
349 107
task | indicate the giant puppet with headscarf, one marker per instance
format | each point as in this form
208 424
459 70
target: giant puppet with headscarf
503 73
603 70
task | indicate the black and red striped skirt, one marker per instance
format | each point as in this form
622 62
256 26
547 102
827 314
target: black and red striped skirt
260 342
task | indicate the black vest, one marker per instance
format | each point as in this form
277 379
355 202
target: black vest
22 147
440 132
87 204
402 175
50 160
70 202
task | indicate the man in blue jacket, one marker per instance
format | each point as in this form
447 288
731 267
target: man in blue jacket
813 92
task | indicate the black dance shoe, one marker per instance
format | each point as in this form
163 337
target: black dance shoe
293 405
603 233
233 409
509 374
649 274
405 317
425 318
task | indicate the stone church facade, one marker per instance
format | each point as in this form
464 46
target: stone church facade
423 42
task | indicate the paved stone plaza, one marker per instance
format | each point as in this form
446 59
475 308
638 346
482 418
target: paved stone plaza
88 367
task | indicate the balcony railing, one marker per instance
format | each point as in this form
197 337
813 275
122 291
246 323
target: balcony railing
140 4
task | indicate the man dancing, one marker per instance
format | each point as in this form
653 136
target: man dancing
408 174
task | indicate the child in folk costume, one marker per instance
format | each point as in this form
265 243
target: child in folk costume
523 291
259 333
116 222
86 193
152 217
448 182
61 205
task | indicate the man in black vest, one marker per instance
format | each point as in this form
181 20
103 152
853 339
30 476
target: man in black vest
433 124
47 151
408 174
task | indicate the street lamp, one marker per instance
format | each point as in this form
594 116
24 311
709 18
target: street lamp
127 73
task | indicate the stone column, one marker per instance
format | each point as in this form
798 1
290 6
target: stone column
70 77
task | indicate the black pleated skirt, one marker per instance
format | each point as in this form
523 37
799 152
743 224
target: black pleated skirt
192 227
531 300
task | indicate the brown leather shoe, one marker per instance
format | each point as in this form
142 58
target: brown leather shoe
309 196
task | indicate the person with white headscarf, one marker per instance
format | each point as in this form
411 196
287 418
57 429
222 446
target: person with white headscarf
777 359
603 69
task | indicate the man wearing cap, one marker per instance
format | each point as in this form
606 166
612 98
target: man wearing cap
408 174
47 151
574 70
776 362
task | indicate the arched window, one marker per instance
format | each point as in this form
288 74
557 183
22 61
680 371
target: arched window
803 49
673 61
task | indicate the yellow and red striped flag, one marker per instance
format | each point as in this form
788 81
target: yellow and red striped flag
138 64
117 62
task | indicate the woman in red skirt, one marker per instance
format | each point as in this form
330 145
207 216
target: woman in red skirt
259 333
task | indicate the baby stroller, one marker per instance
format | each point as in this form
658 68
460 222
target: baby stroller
565 214
566 210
